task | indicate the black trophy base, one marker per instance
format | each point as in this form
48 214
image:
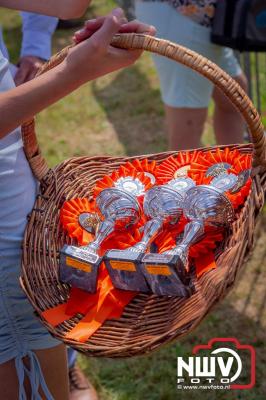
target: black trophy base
166 275
79 268
123 267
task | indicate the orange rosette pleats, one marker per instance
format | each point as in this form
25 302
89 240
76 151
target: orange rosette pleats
128 170
149 168
176 166
237 163
69 218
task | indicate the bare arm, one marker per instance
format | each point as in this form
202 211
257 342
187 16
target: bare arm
22 103
64 9
88 60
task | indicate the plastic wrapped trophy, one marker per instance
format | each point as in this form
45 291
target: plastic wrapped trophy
162 205
79 265
204 205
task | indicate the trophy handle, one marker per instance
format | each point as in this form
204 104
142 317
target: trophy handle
105 228
151 229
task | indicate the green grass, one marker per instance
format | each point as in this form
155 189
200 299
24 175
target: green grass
123 114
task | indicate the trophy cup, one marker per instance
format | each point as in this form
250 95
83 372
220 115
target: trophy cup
79 265
204 205
162 206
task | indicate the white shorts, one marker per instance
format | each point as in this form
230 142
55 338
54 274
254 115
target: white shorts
181 86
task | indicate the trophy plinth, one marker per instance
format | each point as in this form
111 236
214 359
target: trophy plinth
173 264
123 267
79 266
166 275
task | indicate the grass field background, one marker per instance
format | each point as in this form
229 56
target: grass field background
123 114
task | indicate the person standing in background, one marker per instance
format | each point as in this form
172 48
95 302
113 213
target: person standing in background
186 94
36 48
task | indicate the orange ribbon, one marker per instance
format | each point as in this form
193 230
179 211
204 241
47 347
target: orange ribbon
106 303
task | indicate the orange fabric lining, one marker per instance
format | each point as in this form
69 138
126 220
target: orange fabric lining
204 264
56 315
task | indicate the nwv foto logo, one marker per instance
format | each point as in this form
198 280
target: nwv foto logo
222 366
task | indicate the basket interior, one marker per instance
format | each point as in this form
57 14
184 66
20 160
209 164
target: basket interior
148 321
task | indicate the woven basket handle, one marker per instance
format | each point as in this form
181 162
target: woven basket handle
184 56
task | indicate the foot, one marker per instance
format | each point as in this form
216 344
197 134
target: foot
79 385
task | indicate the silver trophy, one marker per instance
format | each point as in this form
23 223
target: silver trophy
79 265
162 206
204 205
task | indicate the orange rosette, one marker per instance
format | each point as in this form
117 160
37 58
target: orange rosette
238 163
207 159
149 168
69 218
176 166
112 180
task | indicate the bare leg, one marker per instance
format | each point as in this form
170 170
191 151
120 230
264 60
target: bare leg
185 127
8 381
54 366
228 123
55 371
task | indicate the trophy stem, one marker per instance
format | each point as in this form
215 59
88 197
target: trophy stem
106 227
192 233
151 229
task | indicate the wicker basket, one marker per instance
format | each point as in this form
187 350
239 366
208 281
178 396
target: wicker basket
148 321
